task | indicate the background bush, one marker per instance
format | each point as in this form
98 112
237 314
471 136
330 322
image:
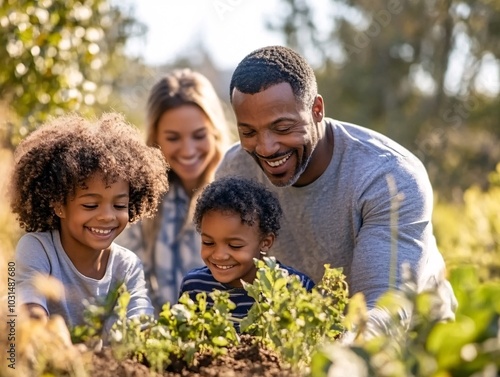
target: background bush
469 233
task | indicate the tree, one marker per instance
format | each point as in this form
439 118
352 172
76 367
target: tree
56 57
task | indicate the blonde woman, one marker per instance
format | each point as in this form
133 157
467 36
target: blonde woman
186 120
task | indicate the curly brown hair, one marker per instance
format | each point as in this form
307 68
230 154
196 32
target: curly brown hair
248 198
62 154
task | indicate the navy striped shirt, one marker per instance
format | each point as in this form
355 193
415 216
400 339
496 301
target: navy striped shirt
201 280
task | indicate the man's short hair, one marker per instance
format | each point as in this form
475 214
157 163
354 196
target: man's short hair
274 65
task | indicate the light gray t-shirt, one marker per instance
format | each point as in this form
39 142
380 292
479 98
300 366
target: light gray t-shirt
42 252
343 218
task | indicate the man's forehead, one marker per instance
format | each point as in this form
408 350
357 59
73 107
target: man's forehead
279 92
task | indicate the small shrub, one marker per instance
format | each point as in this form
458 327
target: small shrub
290 320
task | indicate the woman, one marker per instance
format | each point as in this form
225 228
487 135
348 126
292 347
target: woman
186 121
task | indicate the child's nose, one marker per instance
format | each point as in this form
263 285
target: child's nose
220 254
106 214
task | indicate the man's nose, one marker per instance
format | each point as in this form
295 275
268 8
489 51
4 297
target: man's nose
267 144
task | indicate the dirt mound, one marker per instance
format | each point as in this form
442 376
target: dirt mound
245 360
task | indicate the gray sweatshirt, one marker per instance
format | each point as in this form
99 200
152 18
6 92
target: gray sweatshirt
343 218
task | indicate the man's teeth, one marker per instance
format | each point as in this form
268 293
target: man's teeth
224 267
101 231
279 162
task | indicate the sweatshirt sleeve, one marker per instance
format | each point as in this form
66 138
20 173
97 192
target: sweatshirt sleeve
31 260
411 212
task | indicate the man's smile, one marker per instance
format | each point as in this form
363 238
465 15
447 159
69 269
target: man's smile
279 162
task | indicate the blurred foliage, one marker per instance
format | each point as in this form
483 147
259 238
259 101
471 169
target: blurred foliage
425 73
41 349
9 228
59 56
469 234
420 345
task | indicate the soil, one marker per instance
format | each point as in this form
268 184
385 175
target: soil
245 360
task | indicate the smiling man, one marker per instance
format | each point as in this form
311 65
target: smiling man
331 179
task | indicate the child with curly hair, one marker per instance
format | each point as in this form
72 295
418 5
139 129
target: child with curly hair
238 220
75 186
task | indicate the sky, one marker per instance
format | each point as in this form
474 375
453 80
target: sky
229 29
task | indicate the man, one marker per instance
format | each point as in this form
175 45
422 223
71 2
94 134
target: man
332 180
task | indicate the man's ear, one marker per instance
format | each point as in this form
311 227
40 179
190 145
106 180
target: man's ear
318 109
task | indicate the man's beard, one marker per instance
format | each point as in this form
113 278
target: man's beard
299 170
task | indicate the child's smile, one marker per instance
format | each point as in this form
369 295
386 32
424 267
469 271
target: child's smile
100 231
103 233
223 267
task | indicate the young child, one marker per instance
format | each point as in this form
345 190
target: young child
75 186
238 220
